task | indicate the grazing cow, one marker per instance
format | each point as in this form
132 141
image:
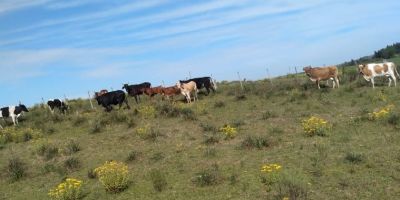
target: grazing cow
57 103
187 88
153 91
318 74
136 90
170 91
206 82
14 112
102 92
112 98
372 70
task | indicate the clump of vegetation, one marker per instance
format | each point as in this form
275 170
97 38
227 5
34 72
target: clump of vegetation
208 177
381 114
147 112
70 189
267 115
354 157
210 139
210 152
159 180
72 163
47 150
96 127
258 142
148 133
315 126
394 119
270 174
228 131
72 147
132 156
91 174
16 169
240 97
113 176
14 134
219 104
157 156
208 127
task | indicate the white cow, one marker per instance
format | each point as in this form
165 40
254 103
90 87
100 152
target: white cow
13 111
187 88
372 70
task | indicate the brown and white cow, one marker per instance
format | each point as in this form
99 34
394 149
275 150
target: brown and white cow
187 88
372 70
317 74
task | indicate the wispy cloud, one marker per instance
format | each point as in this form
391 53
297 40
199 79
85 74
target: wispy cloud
13 5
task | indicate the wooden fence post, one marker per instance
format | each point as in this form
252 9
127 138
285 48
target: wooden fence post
90 100
240 80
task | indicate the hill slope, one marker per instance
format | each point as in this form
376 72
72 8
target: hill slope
357 158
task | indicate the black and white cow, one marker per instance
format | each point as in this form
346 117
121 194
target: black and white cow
203 82
136 90
111 98
13 111
57 103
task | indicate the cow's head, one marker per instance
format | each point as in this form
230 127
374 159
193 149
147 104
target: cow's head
307 70
23 108
96 94
363 70
125 86
178 84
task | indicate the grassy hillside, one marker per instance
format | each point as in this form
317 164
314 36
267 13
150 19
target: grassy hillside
178 148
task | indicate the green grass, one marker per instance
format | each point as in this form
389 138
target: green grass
184 156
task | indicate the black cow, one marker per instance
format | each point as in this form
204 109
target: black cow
112 98
57 103
136 90
205 82
13 111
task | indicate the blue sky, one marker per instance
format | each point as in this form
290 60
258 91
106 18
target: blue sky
49 48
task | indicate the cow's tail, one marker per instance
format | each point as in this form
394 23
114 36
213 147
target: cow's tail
395 70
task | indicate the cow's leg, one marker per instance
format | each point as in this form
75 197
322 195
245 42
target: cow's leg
208 90
337 81
13 117
373 82
127 105
317 81
136 99
390 81
188 98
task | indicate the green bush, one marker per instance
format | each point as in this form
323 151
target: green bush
72 164
72 147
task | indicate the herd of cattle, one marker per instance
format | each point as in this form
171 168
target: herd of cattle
192 86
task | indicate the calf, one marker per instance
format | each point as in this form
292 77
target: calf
318 74
372 70
187 88
136 90
111 98
170 91
14 112
57 103
153 91
203 82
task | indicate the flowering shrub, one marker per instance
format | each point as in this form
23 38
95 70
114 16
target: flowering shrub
270 174
315 126
70 189
228 131
13 134
381 114
113 175
147 111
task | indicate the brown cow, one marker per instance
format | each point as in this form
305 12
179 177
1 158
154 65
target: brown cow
170 91
318 74
152 91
